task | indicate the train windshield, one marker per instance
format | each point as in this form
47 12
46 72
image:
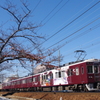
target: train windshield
93 69
90 69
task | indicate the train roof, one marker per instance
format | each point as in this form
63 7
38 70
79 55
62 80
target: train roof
82 61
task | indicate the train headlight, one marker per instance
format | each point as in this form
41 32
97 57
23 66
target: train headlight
90 77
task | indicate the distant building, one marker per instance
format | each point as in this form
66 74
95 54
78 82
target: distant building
0 86
13 77
41 68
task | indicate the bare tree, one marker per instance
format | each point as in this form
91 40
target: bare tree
12 40
13 45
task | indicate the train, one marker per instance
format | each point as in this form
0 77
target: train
81 75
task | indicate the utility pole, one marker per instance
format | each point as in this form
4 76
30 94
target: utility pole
1 78
59 58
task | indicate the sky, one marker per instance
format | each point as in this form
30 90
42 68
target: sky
75 24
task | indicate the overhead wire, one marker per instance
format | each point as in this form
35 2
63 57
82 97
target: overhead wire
52 10
68 23
50 13
93 44
87 47
80 16
57 11
83 33
71 22
75 14
80 46
36 6
74 32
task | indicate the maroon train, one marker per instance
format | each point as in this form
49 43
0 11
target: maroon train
76 76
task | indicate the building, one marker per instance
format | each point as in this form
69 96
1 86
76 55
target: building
42 68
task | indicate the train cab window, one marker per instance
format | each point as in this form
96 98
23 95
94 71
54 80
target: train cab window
44 77
90 69
77 71
95 69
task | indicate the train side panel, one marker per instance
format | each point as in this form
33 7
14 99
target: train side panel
77 74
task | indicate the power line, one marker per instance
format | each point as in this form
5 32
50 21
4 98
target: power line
98 25
52 10
68 24
57 11
79 11
71 21
74 32
50 13
93 44
86 42
36 5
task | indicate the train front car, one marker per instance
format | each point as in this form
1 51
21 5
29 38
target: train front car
79 76
93 75
84 75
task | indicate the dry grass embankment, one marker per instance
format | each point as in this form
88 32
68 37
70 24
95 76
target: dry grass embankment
57 96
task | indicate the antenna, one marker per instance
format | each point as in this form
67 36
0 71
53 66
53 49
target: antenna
80 54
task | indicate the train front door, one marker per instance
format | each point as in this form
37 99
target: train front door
82 74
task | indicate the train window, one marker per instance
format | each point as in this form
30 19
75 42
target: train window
62 74
14 83
34 79
42 77
23 81
38 78
51 76
18 82
90 69
70 72
77 71
8 84
58 74
95 69
46 76
29 80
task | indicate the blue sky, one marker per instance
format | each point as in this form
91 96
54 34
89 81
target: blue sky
79 17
